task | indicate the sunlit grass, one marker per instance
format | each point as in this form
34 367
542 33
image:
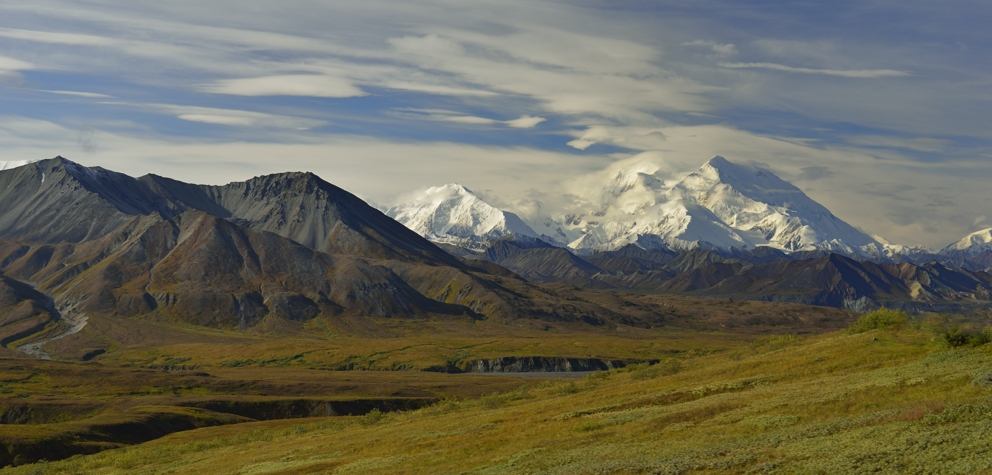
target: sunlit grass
894 400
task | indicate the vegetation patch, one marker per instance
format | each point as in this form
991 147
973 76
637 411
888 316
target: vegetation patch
881 318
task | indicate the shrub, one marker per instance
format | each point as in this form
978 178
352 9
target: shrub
959 336
372 417
881 318
566 388
664 368
493 400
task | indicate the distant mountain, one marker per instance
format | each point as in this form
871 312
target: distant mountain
974 243
720 206
85 253
973 252
453 214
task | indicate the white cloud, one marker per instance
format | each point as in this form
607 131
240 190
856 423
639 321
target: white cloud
717 48
231 117
311 85
436 89
56 37
635 138
847 73
12 65
523 122
89 95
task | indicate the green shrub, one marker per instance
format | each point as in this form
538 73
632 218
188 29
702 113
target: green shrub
881 318
563 389
664 368
372 417
493 400
961 336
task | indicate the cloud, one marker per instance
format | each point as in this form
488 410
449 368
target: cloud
10 65
919 144
436 89
55 37
814 173
850 73
635 138
523 122
232 117
979 220
89 95
311 85
717 48
85 140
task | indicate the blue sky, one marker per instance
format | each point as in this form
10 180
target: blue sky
880 110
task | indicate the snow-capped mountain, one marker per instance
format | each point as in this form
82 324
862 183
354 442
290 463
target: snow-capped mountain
973 243
721 205
453 214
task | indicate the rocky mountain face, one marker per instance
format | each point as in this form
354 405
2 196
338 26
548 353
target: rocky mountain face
814 278
84 251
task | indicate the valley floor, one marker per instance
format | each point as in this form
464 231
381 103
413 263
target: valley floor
897 400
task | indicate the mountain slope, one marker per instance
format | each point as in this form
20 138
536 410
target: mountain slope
58 200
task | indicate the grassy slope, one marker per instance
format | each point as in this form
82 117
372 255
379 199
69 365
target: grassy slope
690 325
891 400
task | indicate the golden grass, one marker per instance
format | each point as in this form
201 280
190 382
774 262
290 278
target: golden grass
892 401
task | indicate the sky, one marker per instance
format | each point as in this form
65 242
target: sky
881 110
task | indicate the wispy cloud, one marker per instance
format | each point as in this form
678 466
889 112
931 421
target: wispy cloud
89 95
56 37
717 48
523 122
847 73
918 144
286 85
12 65
230 117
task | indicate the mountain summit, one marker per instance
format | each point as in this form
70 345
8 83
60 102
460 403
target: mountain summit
453 214
721 206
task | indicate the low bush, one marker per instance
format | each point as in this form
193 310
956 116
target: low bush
664 368
881 318
372 417
963 336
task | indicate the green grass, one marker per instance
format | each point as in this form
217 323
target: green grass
891 400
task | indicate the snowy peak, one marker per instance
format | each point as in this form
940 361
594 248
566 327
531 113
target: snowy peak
755 183
721 205
454 214
973 243
770 210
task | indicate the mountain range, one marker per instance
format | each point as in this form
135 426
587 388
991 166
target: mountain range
723 207
726 230
90 257
87 252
